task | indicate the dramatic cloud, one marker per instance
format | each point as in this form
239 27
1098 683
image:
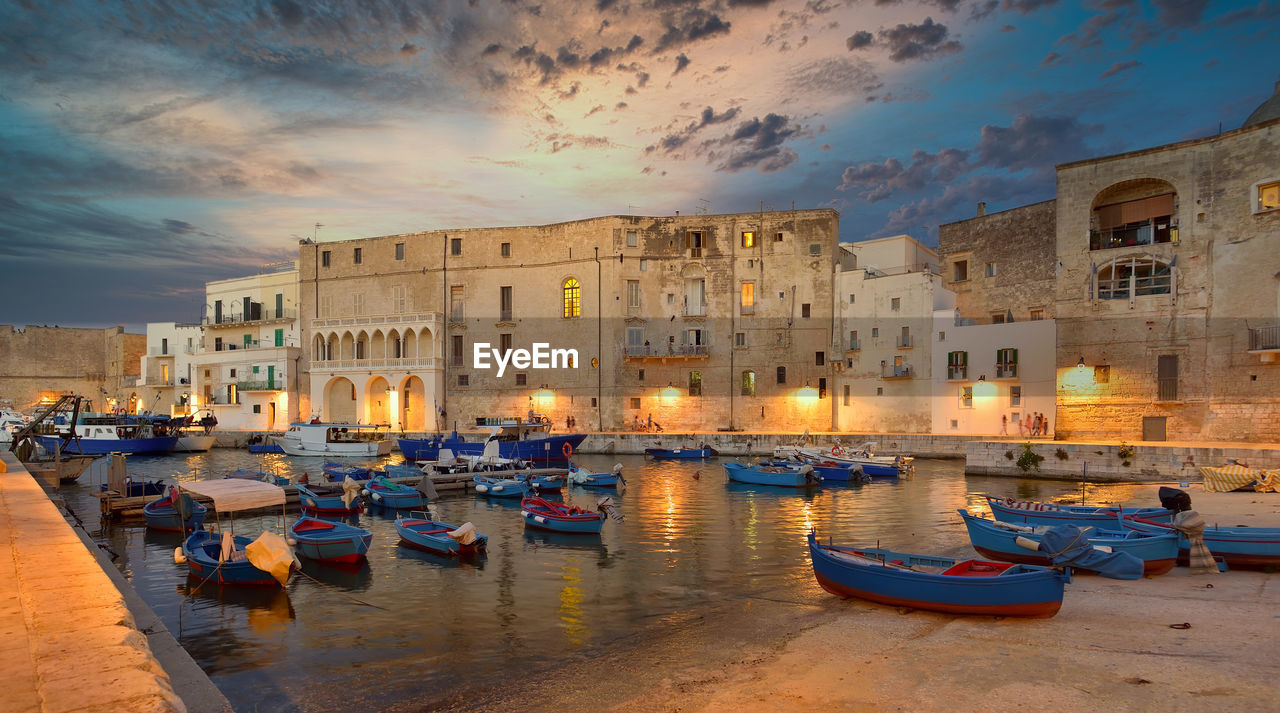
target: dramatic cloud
879 181
757 143
859 39
691 25
908 42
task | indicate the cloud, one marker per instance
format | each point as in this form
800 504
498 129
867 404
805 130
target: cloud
681 62
1051 59
410 49
907 42
1180 13
879 181
687 27
757 143
835 76
1027 6
560 142
1119 67
859 39
1035 143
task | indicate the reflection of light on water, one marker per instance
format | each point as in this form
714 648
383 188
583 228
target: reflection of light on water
751 533
571 619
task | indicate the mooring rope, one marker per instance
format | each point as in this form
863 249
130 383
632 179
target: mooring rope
340 592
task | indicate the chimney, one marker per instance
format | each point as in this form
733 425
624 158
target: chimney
982 208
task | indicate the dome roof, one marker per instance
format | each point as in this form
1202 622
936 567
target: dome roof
1270 109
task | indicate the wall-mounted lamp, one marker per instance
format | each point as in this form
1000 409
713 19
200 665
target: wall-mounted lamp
1080 364
982 378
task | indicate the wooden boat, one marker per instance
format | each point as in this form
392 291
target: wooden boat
140 488
863 456
837 472
341 440
1026 512
202 551
559 517
585 479
998 540
330 541
260 443
338 472
318 502
783 477
701 453
384 493
226 559
528 440
440 538
499 488
1241 546
542 483
166 514
402 470
954 586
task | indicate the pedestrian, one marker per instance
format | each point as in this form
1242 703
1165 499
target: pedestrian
1035 427
1004 425
1044 424
1027 423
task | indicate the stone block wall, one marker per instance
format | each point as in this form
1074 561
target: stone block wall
37 362
1021 244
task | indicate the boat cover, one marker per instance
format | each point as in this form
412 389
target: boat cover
271 554
465 534
1068 545
1235 476
350 491
1191 525
235 494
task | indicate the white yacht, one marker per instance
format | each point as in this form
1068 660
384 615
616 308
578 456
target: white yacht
333 440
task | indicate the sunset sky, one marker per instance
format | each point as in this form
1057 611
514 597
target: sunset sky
149 147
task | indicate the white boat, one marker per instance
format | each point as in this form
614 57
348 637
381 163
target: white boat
334 440
10 423
864 456
197 436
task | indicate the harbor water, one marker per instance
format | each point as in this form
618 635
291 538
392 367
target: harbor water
409 630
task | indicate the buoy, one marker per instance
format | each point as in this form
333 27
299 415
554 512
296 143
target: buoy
291 542
480 488
365 492
178 556
697 474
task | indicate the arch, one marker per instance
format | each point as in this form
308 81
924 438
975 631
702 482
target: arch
692 271
426 344
395 346
361 345
413 404
570 298
331 350
348 350
377 400
378 345
340 400
1141 211
1124 278
317 348
410 348
748 383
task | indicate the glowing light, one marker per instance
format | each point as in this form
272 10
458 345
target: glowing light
543 398
807 394
669 393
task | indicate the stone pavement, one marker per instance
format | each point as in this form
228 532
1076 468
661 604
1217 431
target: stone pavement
67 640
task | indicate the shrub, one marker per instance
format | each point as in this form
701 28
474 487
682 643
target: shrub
1029 458
1061 454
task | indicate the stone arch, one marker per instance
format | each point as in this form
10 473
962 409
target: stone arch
340 400
361 345
1140 211
317 348
378 345
332 346
377 400
426 344
395 345
410 350
348 346
413 404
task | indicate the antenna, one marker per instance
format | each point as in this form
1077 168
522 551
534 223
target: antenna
316 232
703 206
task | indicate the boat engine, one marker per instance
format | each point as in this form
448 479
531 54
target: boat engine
617 470
810 476
605 505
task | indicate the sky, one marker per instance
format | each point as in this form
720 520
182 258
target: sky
149 147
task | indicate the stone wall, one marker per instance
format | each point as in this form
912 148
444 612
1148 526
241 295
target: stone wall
37 362
1150 462
1020 243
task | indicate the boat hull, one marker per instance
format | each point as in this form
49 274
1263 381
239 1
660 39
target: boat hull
330 541
401 498
1080 516
789 479
682 453
265 448
194 444
103 446
1031 592
162 516
1158 553
201 550
541 515
359 449
539 450
1240 547
314 503
431 536
495 488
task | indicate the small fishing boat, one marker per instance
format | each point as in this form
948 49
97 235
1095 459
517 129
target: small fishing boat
783 477
1027 512
176 512
316 500
330 541
100 434
338 472
701 453
384 493
402 470
341 440
1240 546
224 558
586 479
259 443
441 538
528 440
937 583
499 487
999 540
830 471
560 517
898 466
140 488
542 483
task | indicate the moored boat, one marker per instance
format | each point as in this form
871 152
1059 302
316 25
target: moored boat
702 452
314 500
783 477
587 479
560 517
438 537
224 559
528 440
234 560
384 493
863 456
542 483
338 472
1027 512
499 487
954 586
176 512
330 541
1240 546
999 540
333 440
100 434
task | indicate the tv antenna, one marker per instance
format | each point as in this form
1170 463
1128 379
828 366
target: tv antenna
316 232
704 205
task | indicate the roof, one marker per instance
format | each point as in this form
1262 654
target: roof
1269 109
236 494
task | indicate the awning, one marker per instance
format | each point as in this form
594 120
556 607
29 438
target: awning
236 494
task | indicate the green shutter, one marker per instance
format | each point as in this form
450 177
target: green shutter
279 337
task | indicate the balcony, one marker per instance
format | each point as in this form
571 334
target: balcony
1007 371
896 372
258 386
904 342
406 318
1265 341
670 351
160 351
414 363
266 316
957 373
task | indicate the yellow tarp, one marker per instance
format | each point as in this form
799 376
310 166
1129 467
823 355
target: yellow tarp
271 554
1224 479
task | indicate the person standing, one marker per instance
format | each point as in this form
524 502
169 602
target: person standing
1027 423
1004 425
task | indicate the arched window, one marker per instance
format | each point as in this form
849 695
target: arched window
1127 278
748 383
572 292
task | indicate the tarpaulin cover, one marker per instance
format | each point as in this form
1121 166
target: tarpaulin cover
350 491
1068 545
465 534
271 554
236 494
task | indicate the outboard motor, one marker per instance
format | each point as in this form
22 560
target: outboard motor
858 475
810 475
617 470
1174 499
605 505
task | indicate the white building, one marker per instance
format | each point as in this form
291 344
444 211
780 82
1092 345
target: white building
167 368
247 369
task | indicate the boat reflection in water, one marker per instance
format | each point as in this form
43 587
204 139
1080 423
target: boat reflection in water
347 576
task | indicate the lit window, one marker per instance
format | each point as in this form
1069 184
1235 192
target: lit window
748 297
748 383
966 397
1137 222
1268 196
748 239
572 302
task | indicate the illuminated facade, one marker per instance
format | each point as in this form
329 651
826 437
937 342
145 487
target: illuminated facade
168 367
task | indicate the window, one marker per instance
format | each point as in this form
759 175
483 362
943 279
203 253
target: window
693 242
895 304
777 237
1134 277
635 402
748 383
991 269
572 298
164 346
257 408
819 358
844 400
740 339
1006 363
822 387
644 266
357 303
879 391
217 347
325 307
1268 196
1167 377
633 293
671 298
1102 374
464 380
399 251
875 332
279 337
815 248
942 336
455 353
457 298
997 318
633 239
782 375
233 373
279 305
635 336
957 366
640 375
695 383
850 299
504 303
324 258
233 396
966 397
357 255
1015 398
504 343
853 341
748 239
398 301
959 270
1138 222
904 340
455 246
805 310
1037 315
521 379
504 250
748 301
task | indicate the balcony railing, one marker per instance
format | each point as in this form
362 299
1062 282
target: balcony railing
1167 389
957 373
670 351
904 342
896 372
160 351
258 386
694 311
368 364
373 319
266 315
1264 338
1006 371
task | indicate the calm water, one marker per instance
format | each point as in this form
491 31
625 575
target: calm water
689 544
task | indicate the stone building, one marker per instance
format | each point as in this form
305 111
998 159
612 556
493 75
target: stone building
691 322
168 367
44 362
1001 266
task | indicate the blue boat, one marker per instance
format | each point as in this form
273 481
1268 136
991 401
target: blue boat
330 541
1026 512
702 453
998 540
838 472
384 493
338 472
559 517
202 550
956 587
157 445
403 470
523 440
318 502
586 479
1240 546
499 487
140 488
433 536
542 483
177 512
265 448
772 475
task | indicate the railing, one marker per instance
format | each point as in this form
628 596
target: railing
159 351
1167 389
896 372
367 364
904 342
694 311
256 386
1264 338
670 351
1144 233
371 319
240 346
1007 371
748 309
854 345
957 373
155 382
267 315
873 272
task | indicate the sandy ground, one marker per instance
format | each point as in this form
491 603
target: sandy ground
1111 648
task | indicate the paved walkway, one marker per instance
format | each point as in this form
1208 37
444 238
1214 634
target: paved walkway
67 640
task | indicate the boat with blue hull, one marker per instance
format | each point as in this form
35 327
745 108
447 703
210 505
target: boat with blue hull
517 440
177 512
833 472
202 551
587 479
220 557
999 540
783 477
330 541
140 488
337 472
1240 546
560 517
327 502
499 487
863 456
542 483
1027 512
702 453
939 584
440 538
384 493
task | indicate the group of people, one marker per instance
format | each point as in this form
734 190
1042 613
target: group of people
1035 424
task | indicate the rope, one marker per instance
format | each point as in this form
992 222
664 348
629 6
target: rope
340 592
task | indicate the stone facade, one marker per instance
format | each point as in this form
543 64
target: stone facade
44 362
1001 265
